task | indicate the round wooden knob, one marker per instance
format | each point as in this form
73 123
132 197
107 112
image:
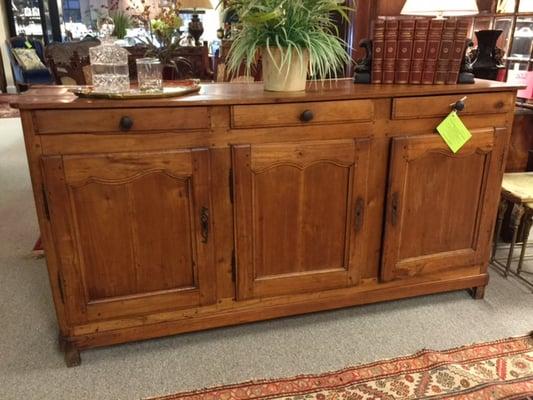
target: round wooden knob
500 104
307 116
459 105
126 123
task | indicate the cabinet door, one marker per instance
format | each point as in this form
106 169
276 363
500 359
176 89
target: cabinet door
299 216
132 231
440 205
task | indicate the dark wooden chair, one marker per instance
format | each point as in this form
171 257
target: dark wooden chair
69 61
222 75
197 66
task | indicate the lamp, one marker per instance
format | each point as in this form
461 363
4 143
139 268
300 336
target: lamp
196 29
440 8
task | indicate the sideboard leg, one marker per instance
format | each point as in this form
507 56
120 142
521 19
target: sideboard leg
72 355
477 292
62 343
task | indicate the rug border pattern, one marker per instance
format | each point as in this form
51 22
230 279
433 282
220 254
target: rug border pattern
334 380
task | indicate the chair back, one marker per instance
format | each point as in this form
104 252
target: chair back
69 60
222 75
190 62
193 62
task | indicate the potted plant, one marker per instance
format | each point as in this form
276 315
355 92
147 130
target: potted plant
122 23
121 19
295 39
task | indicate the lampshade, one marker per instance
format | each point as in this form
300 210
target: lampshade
440 8
195 4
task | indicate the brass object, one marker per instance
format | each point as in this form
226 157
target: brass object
88 92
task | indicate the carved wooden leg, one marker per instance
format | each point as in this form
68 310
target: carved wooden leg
528 220
478 292
72 355
62 343
501 212
516 218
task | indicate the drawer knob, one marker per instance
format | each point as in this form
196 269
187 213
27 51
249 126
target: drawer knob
500 104
126 123
459 105
307 116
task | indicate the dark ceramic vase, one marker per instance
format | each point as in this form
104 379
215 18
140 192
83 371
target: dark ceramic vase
486 66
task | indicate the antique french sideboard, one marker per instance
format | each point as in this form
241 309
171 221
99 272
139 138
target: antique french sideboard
236 205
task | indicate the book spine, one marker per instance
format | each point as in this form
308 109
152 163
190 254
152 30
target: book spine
378 49
445 52
419 50
459 45
432 51
391 44
404 52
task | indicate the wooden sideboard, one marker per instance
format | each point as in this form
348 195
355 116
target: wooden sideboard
236 205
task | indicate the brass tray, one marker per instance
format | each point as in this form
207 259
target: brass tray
172 91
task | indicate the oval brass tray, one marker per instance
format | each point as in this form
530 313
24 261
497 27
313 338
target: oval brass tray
171 91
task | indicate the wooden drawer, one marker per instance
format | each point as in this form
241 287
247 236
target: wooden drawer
440 106
109 120
271 115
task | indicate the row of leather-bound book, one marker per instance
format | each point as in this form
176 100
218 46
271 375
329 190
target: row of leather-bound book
418 51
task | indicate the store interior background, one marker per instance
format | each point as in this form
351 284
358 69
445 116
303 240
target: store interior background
77 18
73 19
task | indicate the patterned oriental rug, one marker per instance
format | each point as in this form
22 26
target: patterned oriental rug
488 371
5 110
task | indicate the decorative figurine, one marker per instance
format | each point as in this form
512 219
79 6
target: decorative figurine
466 74
363 68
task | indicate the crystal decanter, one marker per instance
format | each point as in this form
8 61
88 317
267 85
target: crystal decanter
109 66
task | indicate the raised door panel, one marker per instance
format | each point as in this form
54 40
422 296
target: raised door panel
132 230
437 204
299 216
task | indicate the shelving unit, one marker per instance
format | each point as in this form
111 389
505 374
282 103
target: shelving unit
38 19
27 18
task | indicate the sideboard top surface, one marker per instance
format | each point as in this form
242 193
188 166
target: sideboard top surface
58 97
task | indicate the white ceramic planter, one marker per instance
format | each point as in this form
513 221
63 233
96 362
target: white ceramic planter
287 77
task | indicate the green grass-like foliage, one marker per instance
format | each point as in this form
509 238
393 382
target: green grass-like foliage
292 26
122 22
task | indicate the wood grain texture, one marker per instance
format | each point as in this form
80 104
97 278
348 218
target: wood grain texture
290 114
34 152
94 121
440 106
436 204
58 97
129 228
111 332
190 223
297 230
389 7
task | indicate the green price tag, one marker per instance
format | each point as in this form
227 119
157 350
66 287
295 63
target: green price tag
454 132
28 44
